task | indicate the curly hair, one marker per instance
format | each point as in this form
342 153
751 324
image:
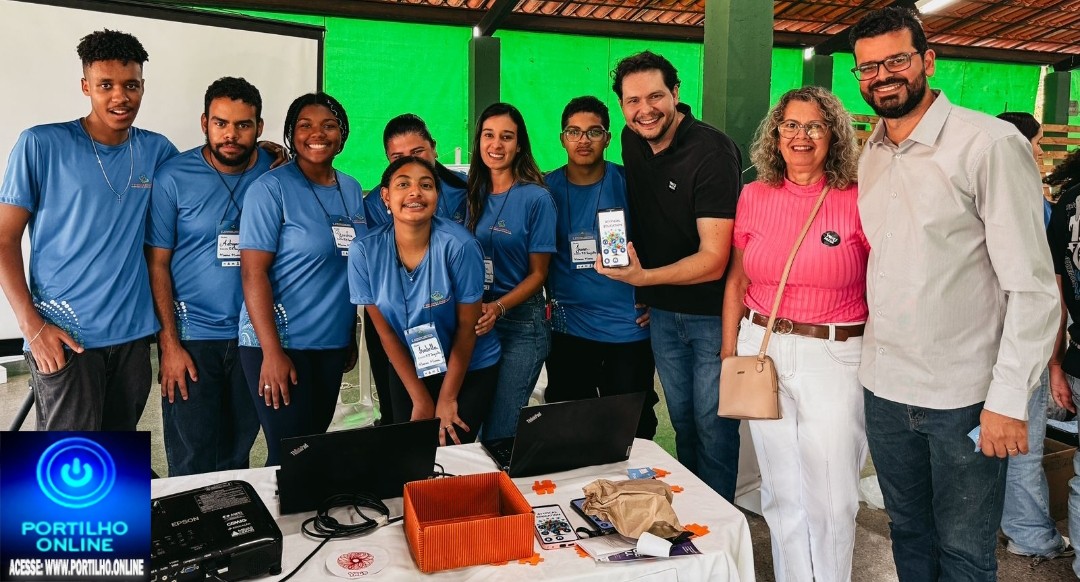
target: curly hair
842 161
1067 173
110 45
235 88
320 98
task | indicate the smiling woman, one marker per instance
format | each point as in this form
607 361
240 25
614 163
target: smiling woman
297 327
421 280
810 459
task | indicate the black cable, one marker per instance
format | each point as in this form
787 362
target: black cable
441 472
323 526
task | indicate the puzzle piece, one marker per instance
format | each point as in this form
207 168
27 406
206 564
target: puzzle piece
697 529
543 487
580 552
660 473
676 489
534 560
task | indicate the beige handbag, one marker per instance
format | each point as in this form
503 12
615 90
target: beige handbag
749 389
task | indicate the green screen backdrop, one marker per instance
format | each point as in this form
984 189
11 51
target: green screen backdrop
381 69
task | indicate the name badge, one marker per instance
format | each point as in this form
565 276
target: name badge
426 350
583 250
228 243
489 273
344 233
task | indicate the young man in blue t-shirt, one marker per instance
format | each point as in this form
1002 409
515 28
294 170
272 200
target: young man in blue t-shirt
83 187
599 339
194 261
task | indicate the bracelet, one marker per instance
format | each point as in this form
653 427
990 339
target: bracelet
38 334
502 308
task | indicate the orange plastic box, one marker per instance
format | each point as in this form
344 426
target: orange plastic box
465 521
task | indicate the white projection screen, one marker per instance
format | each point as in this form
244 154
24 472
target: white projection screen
188 51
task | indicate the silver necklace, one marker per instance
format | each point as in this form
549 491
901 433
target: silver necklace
131 169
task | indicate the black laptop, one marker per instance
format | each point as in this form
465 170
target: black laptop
568 435
378 460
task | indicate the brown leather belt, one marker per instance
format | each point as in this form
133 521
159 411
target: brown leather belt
783 326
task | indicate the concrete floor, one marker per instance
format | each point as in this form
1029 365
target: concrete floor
872 559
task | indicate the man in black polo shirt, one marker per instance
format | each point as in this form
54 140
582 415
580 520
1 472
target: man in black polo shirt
683 181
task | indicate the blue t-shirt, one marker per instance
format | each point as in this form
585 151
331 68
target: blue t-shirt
451 273
288 215
512 225
588 304
87 268
188 206
452 201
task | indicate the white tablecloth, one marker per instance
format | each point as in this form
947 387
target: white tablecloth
727 553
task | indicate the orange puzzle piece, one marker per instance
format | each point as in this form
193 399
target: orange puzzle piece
676 489
534 560
697 529
660 473
543 487
580 552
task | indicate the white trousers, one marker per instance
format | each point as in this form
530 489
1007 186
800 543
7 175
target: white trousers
811 458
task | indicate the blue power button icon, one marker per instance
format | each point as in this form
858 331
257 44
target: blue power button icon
76 472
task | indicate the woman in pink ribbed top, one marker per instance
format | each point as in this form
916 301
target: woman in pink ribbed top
811 458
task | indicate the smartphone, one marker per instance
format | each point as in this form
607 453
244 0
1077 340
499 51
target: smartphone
604 526
552 528
613 237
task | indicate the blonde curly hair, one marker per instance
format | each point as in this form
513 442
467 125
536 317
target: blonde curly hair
842 160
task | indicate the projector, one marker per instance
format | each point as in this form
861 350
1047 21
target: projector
223 531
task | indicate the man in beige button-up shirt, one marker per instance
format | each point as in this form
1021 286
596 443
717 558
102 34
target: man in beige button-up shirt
962 298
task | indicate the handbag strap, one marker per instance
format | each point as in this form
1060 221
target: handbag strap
787 270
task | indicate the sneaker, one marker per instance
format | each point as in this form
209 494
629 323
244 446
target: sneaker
1065 551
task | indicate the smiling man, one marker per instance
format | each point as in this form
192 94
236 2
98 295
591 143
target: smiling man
683 182
208 417
962 298
83 187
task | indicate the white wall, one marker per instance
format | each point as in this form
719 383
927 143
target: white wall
42 71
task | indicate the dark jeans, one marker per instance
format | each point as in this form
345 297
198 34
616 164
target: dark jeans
99 389
525 339
943 498
381 370
213 429
580 368
311 401
474 399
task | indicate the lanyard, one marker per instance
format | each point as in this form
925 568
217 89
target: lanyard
337 183
494 223
569 209
232 198
405 272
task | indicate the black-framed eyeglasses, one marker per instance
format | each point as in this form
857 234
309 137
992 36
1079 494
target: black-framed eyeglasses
814 129
893 64
593 133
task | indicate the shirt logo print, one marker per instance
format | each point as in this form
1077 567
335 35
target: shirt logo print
671 185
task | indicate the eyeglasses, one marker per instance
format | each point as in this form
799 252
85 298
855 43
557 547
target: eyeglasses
593 133
814 129
893 64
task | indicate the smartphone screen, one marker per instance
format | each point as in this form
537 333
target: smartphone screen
613 237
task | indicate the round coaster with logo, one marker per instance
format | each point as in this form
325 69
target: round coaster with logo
360 563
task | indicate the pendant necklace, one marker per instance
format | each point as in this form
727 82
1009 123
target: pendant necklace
131 169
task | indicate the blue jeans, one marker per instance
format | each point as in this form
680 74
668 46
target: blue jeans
213 429
525 338
943 498
1074 482
685 348
1026 516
